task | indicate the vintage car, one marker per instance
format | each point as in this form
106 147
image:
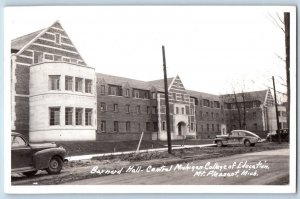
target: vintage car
28 158
237 137
284 136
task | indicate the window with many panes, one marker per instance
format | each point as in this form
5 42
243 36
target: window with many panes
182 111
136 93
78 84
88 86
78 116
68 83
213 127
88 117
54 116
69 116
54 82
177 110
192 126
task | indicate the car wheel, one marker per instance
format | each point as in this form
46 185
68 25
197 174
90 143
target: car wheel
30 173
219 143
55 165
247 143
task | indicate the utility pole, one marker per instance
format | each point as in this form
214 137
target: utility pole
287 62
167 102
276 110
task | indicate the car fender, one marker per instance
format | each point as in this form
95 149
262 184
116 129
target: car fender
41 158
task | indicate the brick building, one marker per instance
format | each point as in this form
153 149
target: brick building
53 91
56 96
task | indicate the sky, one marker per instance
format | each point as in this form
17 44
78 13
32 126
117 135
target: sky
213 49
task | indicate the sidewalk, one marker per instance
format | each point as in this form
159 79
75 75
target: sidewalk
86 157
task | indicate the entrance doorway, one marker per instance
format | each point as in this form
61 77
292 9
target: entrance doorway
181 128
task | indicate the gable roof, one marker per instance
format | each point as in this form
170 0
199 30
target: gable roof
203 95
253 95
159 84
20 42
115 80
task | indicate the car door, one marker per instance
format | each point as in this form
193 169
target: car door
232 138
21 153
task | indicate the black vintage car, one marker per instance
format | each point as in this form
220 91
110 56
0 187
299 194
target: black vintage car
29 158
284 136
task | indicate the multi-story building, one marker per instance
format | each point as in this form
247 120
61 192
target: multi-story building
56 96
53 91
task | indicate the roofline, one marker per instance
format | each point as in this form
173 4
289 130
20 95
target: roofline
34 39
173 80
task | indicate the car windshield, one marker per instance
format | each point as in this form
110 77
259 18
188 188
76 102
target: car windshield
17 141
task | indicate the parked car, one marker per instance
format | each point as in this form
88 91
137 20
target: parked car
237 137
284 133
28 158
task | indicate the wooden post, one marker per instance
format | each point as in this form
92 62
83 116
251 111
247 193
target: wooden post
167 102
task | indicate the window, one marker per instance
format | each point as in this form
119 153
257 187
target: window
146 95
148 126
37 57
192 126
155 126
212 115
206 115
182 111
69 116
138 109
163 109
200 115
211 105
54 116
163 125
68 83
54 82
78 84
115 107
207 127
88 117
127 93
217 115
154 110
148 110
102 106
177 110
127 126
114 90
127 108
206 102
78 116
187 110
88 86
136 94
116 126
66 59
218 127
213 127
49 57
192 111
102 89
57 58
57 38
74 61
103 126
216 104
153 95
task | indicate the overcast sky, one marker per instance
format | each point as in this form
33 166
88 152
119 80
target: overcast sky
210 48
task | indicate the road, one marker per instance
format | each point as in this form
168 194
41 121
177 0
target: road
260 168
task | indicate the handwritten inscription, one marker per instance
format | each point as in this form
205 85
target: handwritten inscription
207 169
